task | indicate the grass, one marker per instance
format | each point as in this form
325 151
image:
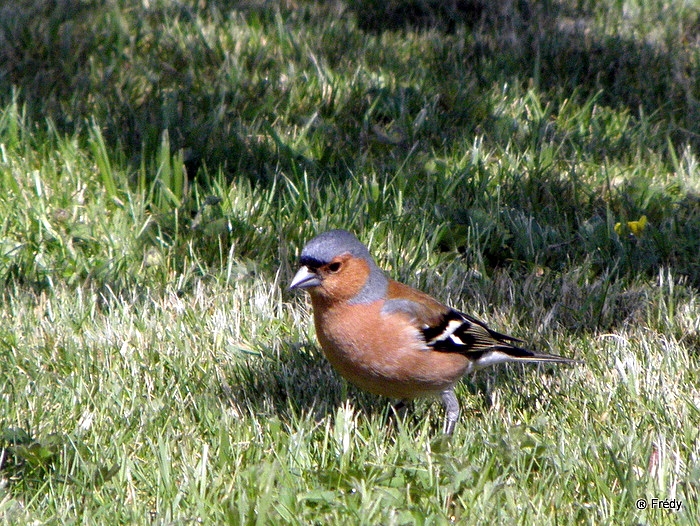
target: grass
162 165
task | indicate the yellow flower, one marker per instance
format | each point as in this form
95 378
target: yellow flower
634 227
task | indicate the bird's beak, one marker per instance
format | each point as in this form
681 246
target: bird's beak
304 279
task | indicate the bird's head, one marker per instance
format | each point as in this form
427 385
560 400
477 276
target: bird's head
335 266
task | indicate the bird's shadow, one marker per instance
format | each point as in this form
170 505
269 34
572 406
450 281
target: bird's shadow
297 383
294 380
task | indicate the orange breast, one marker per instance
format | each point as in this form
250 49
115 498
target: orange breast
383 354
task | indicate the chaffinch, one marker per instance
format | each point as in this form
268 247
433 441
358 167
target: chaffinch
388 338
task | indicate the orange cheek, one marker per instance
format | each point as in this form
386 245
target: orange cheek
345 284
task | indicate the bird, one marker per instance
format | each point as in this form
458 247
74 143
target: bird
390 339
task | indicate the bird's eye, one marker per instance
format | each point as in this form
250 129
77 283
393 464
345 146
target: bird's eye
334 267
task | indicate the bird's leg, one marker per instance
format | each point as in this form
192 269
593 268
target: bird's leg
449 400
400 406
397 410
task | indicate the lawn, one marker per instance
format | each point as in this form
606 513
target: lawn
162 164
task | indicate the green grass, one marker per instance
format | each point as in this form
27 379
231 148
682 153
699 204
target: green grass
161 166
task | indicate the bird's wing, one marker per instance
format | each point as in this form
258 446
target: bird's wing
448 330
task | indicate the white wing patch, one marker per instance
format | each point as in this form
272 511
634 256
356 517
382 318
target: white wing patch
449 332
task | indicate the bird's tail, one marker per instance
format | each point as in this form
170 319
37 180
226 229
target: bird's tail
505 352
520 354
